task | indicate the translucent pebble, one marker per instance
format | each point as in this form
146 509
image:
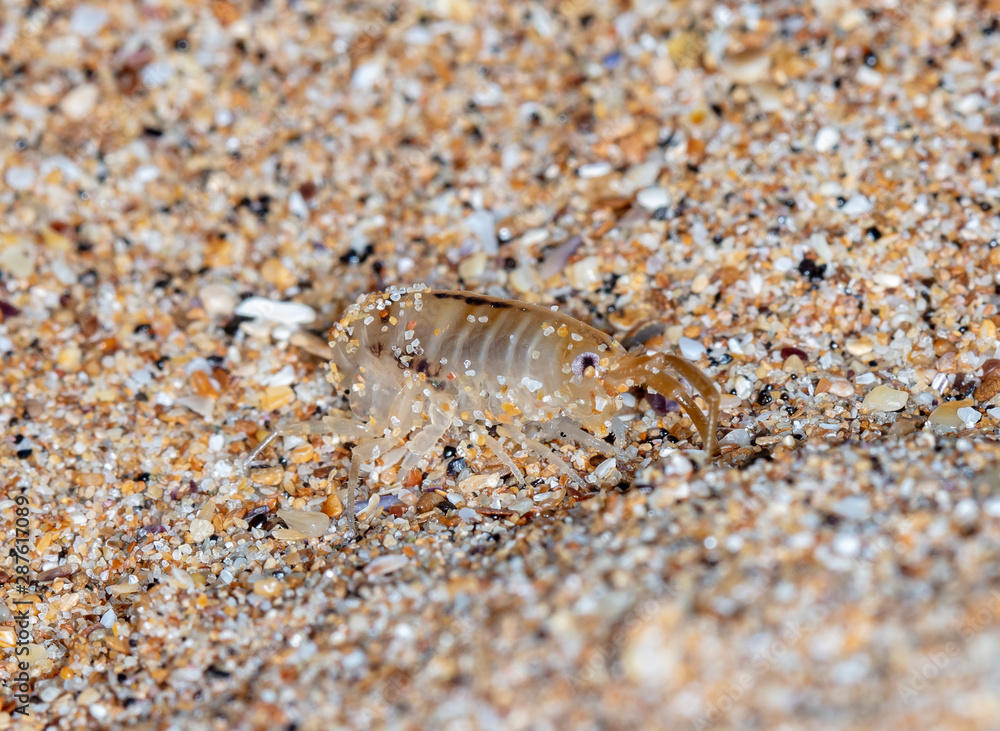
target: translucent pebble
522 505
884 398
310 523
947 414
969 416
739 437
483 227
746 67
856 205
386 564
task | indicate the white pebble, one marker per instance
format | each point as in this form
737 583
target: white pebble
63 272
854 507
743 387
691 349
473 267
366 75
783 264
739 437
594 170
994 412
146 173
883 398
297 205
969 416
970 104
19 178
654 198
945 15
642 175
87 20
18 259
887 280
223 117
181 579
847 544
200 529
856 205
483 227
826 139
531 384
217 299
869 77
865 378
79 102
216 442
201 405
108 618
841 387
966 511
284 377
585 273
287 313
605 467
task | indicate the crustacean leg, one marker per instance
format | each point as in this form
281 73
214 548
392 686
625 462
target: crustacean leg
544 453
339 425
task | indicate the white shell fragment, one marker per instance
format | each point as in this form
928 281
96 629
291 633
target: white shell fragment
286 313
653 198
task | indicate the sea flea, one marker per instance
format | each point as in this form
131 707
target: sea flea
417 361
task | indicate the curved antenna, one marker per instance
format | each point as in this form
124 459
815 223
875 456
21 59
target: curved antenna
651 371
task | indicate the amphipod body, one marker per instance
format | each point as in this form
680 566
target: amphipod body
417 361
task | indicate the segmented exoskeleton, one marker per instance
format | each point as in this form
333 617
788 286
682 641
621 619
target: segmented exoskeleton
417 361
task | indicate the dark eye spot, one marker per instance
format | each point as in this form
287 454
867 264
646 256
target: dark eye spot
584 361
